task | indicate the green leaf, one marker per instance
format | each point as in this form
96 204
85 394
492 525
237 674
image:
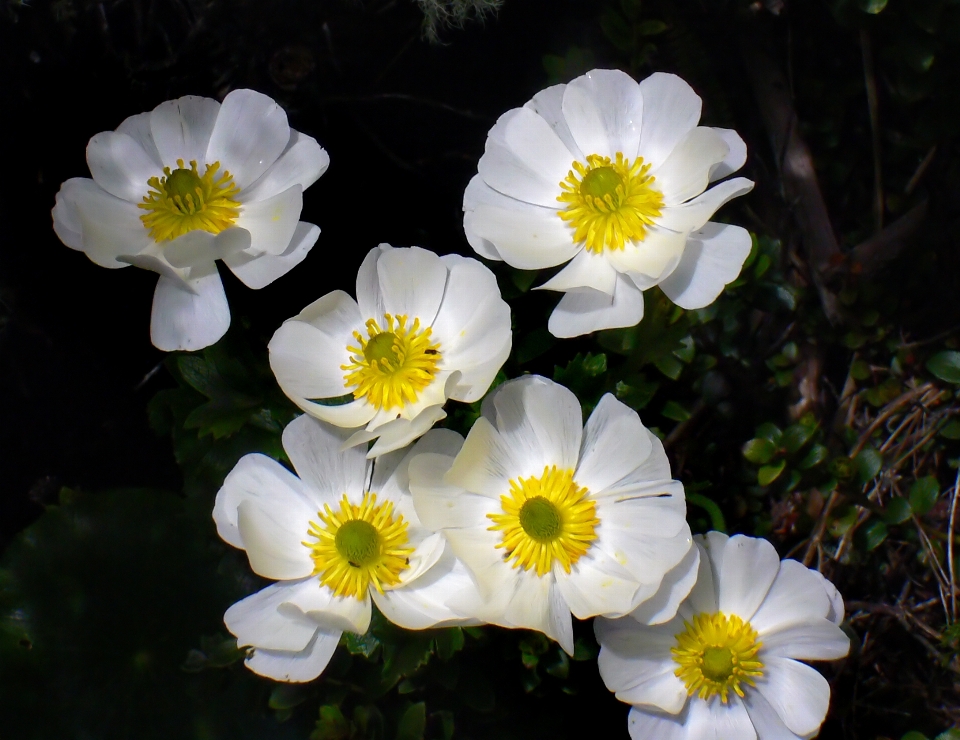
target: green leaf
796 436
332 725
769 473
923 494
914 735
673 410
816 455
951 430
770 431
871 534
636 393
860 370
867 463
534 344
449 642
873 6
946 366
365 645
952 734
897 510
651 28
289 695
759 451
413 723
710 506
669 366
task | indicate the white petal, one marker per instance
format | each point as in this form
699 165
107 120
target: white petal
137 127
813 639
537 604
307 361
315 449
273 538
604 110
254 477
475 191
120 166
329 612
767 722
670 109
693 214
182 320
305 665
472 327
704 596
411 283
654 257
369 296
736 156
441 505
712 259
674 588
650 473
797 692
181 129
541 421
525 236
716 721
201 249
686 172
524 159
614 442
431 599
398 433
302 163
797 595
836 602
256 621
750 564
597 584
152 259
486 463
66 219
109 227
645 723
586 270
250 134
548 104
655 509
259 272
585 310
272 222
632 655
647 557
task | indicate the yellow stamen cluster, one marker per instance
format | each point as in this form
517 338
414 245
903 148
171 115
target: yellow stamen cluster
609 202
184 200
359 546
717 653
545 519
392 364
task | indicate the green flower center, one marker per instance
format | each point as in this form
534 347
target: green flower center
601 182
358 542
182 183
382 347
718 663
540 519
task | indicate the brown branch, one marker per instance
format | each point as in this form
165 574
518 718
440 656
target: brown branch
869 255
774 98
870 81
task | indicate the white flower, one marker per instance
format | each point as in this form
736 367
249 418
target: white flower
342 533
726 666
610 174
423 329
552 517
186 184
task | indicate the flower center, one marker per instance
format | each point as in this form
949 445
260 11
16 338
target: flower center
545 519
717 653
392 364
184 200
609 202
359 546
